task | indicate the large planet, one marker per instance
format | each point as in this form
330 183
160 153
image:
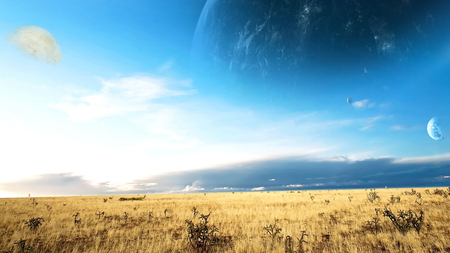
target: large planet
320 42
36 42
434 130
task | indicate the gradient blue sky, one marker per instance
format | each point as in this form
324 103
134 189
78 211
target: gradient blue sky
124 107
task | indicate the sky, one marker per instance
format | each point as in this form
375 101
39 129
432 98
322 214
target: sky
139 105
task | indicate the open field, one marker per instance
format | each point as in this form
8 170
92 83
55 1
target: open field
242 220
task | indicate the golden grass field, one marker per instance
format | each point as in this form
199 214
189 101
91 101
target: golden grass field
240 218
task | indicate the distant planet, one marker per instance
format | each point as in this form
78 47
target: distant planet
36 42
434 130
320 43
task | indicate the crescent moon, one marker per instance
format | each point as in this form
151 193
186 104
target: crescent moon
349 100
434 130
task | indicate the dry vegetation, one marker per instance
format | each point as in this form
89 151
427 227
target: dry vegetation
384 220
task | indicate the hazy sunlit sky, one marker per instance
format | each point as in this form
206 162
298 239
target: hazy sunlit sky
134 108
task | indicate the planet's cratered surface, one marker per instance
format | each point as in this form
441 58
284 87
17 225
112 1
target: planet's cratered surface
36 42
318 42
434 130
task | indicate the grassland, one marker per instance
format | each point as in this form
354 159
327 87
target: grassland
242 219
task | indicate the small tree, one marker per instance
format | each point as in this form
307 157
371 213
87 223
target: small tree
202 237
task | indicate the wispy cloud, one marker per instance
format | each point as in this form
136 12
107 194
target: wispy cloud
426 159
367 127
166 66
375 119
403 128
120 96
370 122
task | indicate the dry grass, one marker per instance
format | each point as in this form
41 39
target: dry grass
241 218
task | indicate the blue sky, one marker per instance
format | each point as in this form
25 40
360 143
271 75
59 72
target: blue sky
127 112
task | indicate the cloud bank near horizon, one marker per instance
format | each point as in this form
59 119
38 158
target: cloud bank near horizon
290 173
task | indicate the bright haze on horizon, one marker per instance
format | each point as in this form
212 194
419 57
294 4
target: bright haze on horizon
209 96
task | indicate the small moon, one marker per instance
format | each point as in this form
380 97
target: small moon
349 100
434 130
36 42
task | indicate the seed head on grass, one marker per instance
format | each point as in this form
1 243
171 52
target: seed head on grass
194 211
76 221
419 199
100 214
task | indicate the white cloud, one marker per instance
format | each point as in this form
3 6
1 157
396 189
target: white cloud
194 187
293 186
119 96
363 104
360 104
258 189
225 188
425 159
337 158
